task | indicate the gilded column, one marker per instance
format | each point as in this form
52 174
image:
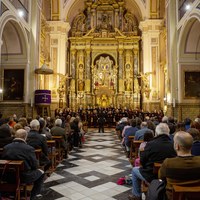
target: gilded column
73 70
121 72
88 75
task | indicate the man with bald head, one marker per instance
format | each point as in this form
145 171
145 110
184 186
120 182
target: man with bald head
183 169
20 150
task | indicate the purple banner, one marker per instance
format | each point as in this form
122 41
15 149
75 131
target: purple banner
42 97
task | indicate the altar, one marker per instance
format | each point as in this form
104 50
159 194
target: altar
104 57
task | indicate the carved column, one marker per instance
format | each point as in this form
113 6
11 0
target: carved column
151 30
58 31
121 72
88 75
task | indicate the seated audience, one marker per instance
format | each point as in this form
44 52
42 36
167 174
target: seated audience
57 130
75 132
130 131
139 135
195 124
120 126
196 141
19 150
23 121
5 134
44 130
156 150
16 127
187 122
148 136
183 169
38 141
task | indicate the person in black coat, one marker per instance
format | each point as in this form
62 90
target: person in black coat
38 141
101 121
156 150
5 134
19 150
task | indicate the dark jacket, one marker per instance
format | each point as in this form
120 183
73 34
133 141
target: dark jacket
19 150
58 131
37 141
5 135
156 150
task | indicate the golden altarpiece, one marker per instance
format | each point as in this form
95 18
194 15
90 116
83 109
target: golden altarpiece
104 56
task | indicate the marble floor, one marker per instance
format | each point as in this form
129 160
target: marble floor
91 172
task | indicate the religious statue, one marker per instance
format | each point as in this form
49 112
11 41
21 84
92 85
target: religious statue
80 72
81 85
145 83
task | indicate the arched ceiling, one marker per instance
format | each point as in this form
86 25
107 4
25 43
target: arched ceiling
12 44
192 44
74 7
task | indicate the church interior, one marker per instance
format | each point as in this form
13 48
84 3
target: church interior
134 54
91 58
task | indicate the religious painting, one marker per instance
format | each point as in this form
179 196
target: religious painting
13 84
192 84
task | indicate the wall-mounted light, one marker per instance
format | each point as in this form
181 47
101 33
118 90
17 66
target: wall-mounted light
1 90
188 6
21 13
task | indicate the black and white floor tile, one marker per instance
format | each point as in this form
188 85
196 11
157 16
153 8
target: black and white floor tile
91 173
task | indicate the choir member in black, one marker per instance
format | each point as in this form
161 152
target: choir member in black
101 122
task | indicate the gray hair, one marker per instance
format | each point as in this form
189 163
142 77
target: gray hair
144 125
162 129
21 133
35 124
165 119
58 122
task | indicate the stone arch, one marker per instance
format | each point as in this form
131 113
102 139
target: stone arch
189 40
188 57
6 17
14 56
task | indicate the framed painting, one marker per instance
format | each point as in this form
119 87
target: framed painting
13 89
192 84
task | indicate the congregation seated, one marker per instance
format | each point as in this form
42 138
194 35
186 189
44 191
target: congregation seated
195 124
57 130
23 121
183 169
139 135
44 130
38 141
156 150
130 131
196 141
148 136
19 150
75 137
5 133
120 126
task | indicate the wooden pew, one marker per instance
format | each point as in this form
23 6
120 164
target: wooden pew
182 192
132 150
156 167
136 144
14 167
52 155
59 149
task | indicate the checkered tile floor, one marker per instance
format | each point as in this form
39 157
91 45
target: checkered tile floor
91 173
